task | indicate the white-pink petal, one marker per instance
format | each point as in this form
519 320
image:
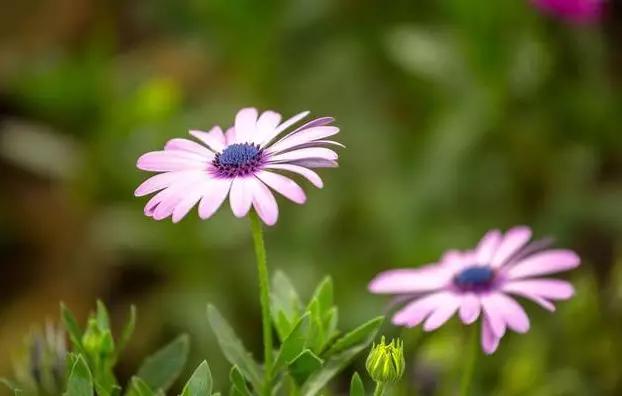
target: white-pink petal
469 308
442 313
163 180
302 137
266 124
283 185
214 197
493 314
190 198
552 289
411 280
513 240
513 314
307 173
415 312
230 136
241 196
305 153
289 122
547 262
189 146
165 161
490 342
264 203
214 139
487 246
246 125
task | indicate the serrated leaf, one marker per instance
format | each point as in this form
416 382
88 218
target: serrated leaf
161 369
138 387
293 344
355 342
285 303
200 383
304 365
80 380
233 349
356 386
128 331
71 326
103 319
238 382
363 334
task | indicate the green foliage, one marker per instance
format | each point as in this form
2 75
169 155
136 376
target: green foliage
356 386
80 380
200 383
161 369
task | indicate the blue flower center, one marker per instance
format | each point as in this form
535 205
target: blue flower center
475 278
239 159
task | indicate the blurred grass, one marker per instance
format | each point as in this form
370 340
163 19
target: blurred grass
458 116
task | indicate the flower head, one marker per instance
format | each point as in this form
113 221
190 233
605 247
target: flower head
573 11
245 163
385 363
479 281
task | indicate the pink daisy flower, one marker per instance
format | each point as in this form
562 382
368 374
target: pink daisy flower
574 11
245 163
479 282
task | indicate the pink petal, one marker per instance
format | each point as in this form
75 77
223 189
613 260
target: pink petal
178 144
493 314
544 303
266 124
163 180
305 153
214 197
321 121
191 197
469 308
214 139
415 312
412 280
167 204
553 289
241 196
302 137
315 163
512 241
512 312
442 313
264 203
487 246
490 342
547 262
283 185
289 122
230 136
305 172
246 125
164 161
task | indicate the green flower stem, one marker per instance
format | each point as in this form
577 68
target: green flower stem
379 391
264 297
470 361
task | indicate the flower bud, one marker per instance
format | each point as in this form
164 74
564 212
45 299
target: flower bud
385 363
97 342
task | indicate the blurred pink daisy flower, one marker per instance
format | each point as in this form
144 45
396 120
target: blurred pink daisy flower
480 281
574 11
244 163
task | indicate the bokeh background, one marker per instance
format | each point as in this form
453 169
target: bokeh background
458 116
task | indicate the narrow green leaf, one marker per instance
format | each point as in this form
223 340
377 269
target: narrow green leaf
356 386
233 349
200 383
282 324
293 344
72 327
324 294
103 319
317 337
128 331
363 334
138 387
12 386
161 369
80 380
238 382
285 304
304 365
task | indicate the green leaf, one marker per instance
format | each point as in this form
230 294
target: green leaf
161 369
128 331
233 349
238 382
103 319
12 386
356 386
72 327
317 338
304 365
138 387
286 304
293 344
365 333
342 353
324 295
80 380
200 383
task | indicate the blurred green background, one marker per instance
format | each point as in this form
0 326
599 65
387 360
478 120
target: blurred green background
458 116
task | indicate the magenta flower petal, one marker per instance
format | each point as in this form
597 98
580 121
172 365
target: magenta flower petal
478 283
243 163
547 262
